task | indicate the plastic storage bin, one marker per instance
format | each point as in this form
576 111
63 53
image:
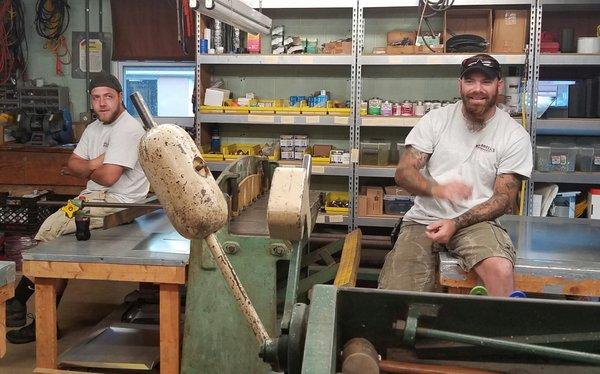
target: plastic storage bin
562 157
336 202
542 158
596 158
397 201
400 147
375 153
585 156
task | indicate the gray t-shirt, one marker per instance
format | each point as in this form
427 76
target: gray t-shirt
119 142
475 158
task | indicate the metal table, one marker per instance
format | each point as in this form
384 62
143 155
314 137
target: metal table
554 256
7 290
147 250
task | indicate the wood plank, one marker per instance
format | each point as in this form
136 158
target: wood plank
58 371
6 292
169 328
129 214
46 349
536 284
346 275
37 168
100 271
249 190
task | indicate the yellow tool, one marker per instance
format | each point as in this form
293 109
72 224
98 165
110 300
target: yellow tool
72 207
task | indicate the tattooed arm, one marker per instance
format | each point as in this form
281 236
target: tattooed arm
503 201
409 177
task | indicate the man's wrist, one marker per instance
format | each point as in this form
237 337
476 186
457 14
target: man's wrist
457 223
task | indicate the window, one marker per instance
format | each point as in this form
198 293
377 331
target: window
167 88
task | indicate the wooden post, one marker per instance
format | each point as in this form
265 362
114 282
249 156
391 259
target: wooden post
169 328
6 292
45 328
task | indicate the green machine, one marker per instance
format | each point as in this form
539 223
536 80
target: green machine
216 336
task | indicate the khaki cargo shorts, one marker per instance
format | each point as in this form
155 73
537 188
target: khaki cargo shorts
59 224
412 263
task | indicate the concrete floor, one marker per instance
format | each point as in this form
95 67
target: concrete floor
84 304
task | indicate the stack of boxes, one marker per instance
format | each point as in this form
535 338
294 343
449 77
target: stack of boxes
293 146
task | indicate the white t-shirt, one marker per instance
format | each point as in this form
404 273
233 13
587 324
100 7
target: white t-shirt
119 142
475 158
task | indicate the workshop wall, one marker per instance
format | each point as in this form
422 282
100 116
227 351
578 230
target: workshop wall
41 63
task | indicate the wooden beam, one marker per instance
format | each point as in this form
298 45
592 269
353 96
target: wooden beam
46 348
536 284
346 275
58 371
102 271
169 328
6 292
129 214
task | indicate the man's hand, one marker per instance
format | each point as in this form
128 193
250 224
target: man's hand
453 191
441 231
95 163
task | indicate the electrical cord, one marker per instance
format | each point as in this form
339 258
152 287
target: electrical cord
52 19
13 61
435 6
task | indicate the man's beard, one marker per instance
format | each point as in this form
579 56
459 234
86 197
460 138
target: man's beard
110 117
476 113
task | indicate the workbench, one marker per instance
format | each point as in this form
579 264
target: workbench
147 250
554 256
7 290
25 168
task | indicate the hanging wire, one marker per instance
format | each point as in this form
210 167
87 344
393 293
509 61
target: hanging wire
13 60
52 19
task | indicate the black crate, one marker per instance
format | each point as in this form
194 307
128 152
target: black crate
22 215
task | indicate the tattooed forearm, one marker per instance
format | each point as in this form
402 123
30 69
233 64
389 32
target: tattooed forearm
503 201
408 173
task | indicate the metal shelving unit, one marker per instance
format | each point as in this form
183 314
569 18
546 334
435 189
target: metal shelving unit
264 59
275 119
434 59
561 126
380 221
571 178
357 61
569 126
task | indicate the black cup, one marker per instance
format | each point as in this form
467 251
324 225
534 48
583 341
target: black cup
82 225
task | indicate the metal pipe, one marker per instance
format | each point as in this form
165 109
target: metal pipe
237 289
140 105
100 15
87 54
99 204
410 368
534 349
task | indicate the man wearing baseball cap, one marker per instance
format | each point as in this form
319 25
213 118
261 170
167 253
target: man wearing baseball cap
107 157
465 163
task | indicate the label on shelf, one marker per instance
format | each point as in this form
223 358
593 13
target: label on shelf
354 156
336 218
313 119
320 218
340 120
261 118
318 169
289 120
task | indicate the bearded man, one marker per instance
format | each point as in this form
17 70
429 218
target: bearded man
465 163
106 156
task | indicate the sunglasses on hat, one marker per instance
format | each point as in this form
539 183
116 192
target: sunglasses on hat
482 60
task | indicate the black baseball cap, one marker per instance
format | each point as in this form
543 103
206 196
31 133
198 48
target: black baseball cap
483 63
103 79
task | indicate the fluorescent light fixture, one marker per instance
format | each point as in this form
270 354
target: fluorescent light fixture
235 13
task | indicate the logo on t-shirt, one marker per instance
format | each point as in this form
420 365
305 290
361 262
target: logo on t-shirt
105 144
486 148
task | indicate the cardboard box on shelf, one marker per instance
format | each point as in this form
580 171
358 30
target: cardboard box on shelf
510 31
321 150
215 96
468 21
338 48
374 201
395 37
78 129
362 205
